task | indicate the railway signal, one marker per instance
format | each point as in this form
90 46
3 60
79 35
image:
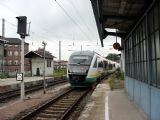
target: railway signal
21 30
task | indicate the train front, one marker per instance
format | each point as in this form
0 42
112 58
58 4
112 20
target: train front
78 67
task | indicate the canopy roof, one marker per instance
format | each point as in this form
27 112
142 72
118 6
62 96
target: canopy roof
118 14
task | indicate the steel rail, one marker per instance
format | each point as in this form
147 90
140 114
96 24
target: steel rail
6 96
66 102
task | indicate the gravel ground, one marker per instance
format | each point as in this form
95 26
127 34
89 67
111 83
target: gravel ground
12 109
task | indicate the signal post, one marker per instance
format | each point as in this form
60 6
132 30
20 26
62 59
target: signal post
21 30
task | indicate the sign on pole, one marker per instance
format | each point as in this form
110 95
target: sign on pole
19 76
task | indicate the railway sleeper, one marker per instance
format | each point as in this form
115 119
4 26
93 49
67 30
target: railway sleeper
64 104
53 112
67 102
56 109
45 115
73 99
58 106
39 118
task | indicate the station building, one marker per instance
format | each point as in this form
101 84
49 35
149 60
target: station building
37 62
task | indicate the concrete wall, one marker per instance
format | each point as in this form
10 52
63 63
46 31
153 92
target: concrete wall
38 63
146 97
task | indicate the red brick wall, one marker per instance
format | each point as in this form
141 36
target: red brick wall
16 67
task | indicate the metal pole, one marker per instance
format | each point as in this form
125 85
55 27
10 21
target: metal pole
81 47
59 55
22 69
44 81
3 35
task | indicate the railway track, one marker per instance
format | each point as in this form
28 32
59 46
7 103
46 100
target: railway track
59 108
6 96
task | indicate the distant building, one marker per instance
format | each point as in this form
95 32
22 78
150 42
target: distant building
37 62
12 56
2 46
1 53
62 64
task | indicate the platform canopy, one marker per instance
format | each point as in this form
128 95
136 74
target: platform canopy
121 15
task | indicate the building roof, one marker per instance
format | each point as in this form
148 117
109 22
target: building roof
3 41
39 53
62 61
14 41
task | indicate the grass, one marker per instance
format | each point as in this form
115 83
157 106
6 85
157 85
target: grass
4 75
116 81
119 75
59 73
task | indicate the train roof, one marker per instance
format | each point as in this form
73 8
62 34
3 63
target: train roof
89 53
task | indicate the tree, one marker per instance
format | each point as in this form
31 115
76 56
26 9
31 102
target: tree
114 57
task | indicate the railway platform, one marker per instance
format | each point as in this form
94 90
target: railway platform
105 104
12 84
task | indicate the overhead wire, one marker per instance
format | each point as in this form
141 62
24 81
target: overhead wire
19 14
89 29
10 9
14 25
46 31
66 13
80 16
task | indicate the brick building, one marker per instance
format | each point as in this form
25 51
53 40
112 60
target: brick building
1 53
12 56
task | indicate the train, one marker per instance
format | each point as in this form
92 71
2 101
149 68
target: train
85 68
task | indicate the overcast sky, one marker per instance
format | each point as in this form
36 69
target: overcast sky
71 21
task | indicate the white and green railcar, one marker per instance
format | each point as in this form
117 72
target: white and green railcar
85 68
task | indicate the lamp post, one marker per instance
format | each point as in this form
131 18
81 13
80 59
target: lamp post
44 81
59 55
3 35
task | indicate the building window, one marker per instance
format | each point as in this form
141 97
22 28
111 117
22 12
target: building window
9 62
15 62
9 53
48 63
15 53
9 46
4 62
15 46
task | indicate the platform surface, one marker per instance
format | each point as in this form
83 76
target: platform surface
105 104
10 81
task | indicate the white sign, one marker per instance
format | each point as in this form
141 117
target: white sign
19 76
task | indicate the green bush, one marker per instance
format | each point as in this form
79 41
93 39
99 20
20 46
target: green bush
59 72
119 75
4 75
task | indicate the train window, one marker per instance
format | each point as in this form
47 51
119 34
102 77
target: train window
95 64
100 64
80 59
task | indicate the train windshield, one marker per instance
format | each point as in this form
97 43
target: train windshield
80 60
